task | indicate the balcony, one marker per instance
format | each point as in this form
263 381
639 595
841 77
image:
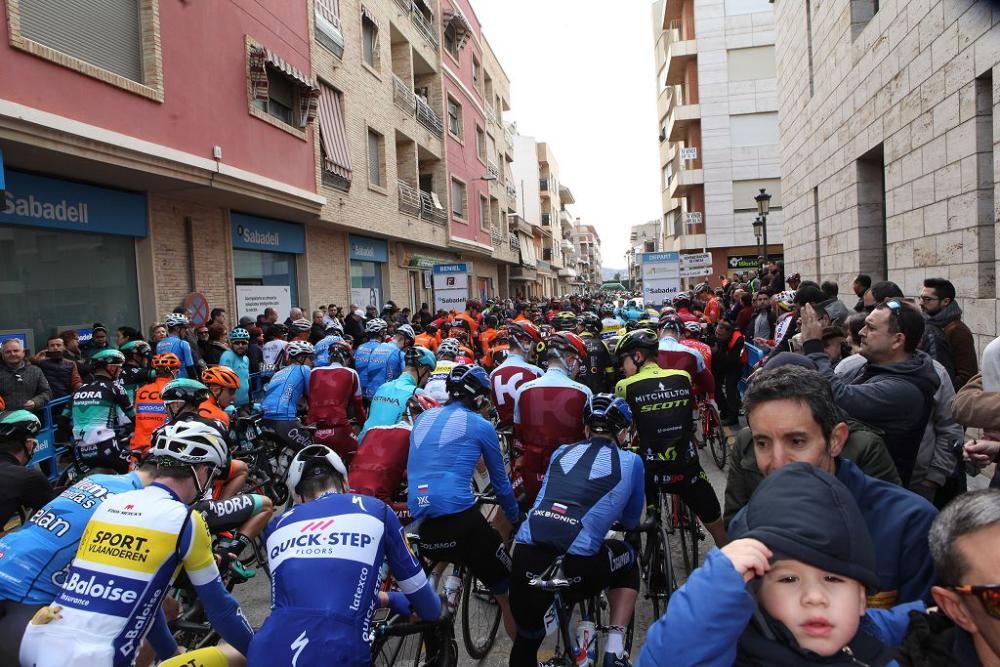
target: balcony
426 117
683 114
424 25
409 199
544 185
515 242
682 48
431 209
493 170
403 96
546 219
508 137
491 114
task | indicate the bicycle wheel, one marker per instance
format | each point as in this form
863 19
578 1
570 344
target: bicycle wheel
716 437
480 617
660 579
689 531
404 651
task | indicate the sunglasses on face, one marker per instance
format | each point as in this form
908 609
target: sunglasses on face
989 596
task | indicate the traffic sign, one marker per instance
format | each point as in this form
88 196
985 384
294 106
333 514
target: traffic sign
698 259
696 271
196 306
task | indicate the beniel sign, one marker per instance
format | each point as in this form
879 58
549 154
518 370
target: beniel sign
451 286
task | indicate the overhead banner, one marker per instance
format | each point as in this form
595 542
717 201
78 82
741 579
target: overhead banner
661 276
251 300
451 286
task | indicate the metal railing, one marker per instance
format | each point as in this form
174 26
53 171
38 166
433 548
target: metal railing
427 117
496 235
403 95
425 26
508 137
492 169
515 242
680 30
409 199
491 114
430 212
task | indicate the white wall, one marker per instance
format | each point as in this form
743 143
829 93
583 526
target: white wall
736 7
525 173
754 129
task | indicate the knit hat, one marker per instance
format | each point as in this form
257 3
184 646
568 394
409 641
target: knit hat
803 513
789 359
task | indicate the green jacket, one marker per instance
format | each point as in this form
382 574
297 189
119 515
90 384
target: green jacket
864 447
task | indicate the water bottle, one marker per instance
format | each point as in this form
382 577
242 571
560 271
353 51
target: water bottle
586 647
452 586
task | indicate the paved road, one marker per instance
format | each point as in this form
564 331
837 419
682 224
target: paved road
255 595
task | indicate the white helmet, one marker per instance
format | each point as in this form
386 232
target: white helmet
449 346
190 442
375 326
302 325
311 455
175 320
298 348
334 328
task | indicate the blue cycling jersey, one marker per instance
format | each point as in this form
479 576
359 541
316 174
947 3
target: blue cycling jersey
445 446
323 350
342 540
281 398
179 347
385 365
588 486
241 366
389 403
362 357
34 559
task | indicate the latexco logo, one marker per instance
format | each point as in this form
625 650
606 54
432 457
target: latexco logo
250 235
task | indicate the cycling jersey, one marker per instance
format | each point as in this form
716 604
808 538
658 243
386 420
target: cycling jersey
437 384
130 552
548 412
673 355
713 310
34 559
508 377
596 370
332 389
610 327
428 341
132 377
20 486
99 407
341 540
385 365
209 409
588 487
701 348
389 402
323 350
241 366
273 352
150 413
181 348
445 446
662 409
281 398
379 467
362 359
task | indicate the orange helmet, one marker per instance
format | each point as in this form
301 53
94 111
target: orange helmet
221 376
167 360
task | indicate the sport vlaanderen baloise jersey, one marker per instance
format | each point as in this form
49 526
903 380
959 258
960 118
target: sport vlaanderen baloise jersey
181 348
281 399
662 411
98 407
505 380
437 384
34 559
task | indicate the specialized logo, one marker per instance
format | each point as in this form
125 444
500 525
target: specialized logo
298 646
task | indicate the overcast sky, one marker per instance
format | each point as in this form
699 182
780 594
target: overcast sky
582 80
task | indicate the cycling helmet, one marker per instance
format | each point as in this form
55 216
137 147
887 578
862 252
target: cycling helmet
461 323
417 357
139 347
605 412
375 326
638 339
522 330
406 331
167 360
449 346
431 329
310 461
107 358
564 341
184 389
681 299
607 310
786 299
334 328
299 348
564 321
278 329
467 382
221 376
340 349
671 322
189 443
702 287
301 325
173 320
18 425
591 322
693 327
239 334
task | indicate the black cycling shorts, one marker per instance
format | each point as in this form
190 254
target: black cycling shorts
689 482
107 454
292 433
468 539
231 513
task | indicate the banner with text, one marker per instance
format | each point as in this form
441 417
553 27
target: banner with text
451 286
251 300
696 265
367 296
661 276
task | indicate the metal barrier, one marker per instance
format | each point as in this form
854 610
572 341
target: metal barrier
47 453
754 356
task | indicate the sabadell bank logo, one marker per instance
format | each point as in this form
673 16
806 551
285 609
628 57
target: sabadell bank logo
255 237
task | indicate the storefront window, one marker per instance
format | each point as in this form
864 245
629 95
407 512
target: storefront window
365 277
52 279
255 267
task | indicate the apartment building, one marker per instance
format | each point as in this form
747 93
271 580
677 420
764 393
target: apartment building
889 124
644 237
588 253
717 126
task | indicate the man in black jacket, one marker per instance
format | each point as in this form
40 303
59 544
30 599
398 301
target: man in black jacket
61 373
22 385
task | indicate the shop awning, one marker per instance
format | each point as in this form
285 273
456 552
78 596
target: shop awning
260 59
463 31
370 15
333 133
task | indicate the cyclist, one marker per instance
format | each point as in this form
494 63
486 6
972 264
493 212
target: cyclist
136 371
460 332
236 358
564 320
709 303
343 539
428 338
280 407
100 409
691 337
176 343
597 370
445 448
374 333
334 332
682 307
133 547
332 389
673 355
150 413
390 400
588 487
513 373
609 323
662 406
222 383
20 486
273 350
548 412
300 330
437 384
388 359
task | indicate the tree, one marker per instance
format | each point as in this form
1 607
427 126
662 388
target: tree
618 276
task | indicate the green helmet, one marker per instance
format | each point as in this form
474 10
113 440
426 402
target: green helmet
18 425
135 347
107 357
184 389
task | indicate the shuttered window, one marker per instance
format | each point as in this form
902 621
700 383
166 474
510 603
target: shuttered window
104 33
376 163
458 200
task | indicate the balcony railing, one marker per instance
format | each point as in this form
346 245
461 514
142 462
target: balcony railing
681 30
508 137
425 26
511 191
492 169
409 199
496 235
491 114
429 211
403 96
427 117
515 242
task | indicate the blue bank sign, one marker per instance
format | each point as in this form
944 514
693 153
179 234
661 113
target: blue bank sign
49 202
364 249
253 233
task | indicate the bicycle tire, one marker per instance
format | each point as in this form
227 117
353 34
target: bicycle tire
689 533
717 441
661 581
473 593
393 651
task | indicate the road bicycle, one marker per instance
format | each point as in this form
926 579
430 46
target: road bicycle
656 560
709 431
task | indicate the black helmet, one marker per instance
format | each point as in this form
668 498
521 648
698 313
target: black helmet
467 382
639 339
18 425
184 389
671 322
606 412
591 322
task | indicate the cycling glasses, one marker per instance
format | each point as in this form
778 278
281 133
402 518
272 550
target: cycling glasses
989 596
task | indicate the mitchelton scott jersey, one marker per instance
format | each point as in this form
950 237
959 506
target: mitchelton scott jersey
505 380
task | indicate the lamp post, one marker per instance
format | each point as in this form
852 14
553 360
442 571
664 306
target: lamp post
758 230
763 207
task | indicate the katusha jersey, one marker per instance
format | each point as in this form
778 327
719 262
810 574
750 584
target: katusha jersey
505 380
331 390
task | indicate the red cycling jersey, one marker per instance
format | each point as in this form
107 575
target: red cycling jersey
706 355
331 390
379 467
504 383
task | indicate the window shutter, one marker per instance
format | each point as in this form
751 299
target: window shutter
370 15
105 33
258 73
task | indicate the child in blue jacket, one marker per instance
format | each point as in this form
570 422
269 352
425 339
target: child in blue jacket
788 592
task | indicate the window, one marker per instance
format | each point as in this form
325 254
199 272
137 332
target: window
476 74
458 200
745 191
451 40
754 129
280 102
480 143
862 12
484 212
376 159
337 170
751 64
329 31
279 93
454 117
116 42
369 38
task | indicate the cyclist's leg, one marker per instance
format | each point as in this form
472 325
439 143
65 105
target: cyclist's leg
245 515
110 454
14 618
528 605
235 479
615 568
699 495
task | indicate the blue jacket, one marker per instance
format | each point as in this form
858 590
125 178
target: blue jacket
362 357
707 615
898 521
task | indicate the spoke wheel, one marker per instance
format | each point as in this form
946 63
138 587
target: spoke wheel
660 579
689 532
717 439
480 617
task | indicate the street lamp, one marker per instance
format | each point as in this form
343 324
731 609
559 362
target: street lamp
758 231
763 207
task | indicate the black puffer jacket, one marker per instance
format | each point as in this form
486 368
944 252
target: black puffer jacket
933 640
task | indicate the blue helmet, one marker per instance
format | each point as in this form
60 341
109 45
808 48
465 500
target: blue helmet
608 413
417 357
468 382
